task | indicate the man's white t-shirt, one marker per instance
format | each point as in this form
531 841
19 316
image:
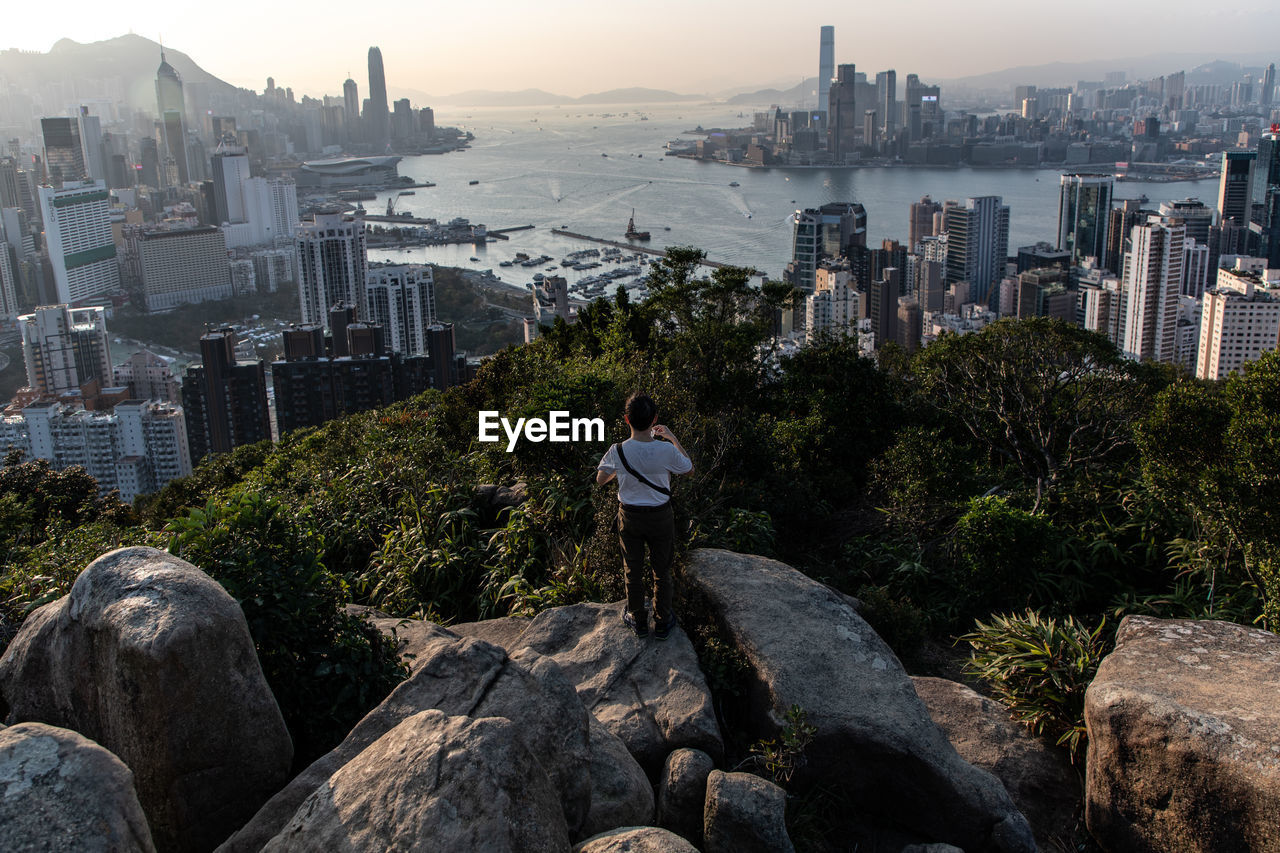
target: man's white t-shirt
655 460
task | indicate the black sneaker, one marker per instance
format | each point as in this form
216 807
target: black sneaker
662 627
641 629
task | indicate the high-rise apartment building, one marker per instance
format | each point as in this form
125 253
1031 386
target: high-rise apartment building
378 119
230 172
225 399
65 348
921 224
333 265
1266 94
137 448
1153 282
184 266
82 251
402 300
1234 186
977 244
1239 322
835 306
172 106
884 293
1195 215
831 231
826 65
886 102
1084 214
148 377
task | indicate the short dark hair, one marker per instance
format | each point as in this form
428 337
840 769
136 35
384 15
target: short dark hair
641 411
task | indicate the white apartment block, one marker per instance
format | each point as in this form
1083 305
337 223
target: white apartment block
137 449
1239 322
77 230
834 307
402 299
333 265
270 210
1153 281
64 348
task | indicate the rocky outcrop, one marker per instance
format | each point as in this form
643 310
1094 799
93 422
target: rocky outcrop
1038 775
1184 750
636 839
61 791
744 814
414 637
433 782
504 631
682 792
807 647
620 792
152 659
470 678
650 694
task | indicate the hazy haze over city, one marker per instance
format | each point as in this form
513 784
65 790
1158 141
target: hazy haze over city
574 47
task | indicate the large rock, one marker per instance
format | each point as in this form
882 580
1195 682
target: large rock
471 678
61 791
636 839
151 658
1038 775
1184 738
682 792
875 740
433 783
414 638
744 814
650 694
504 631
620 792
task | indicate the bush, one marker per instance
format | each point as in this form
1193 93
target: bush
325 667
1002 552
1040 668
897 621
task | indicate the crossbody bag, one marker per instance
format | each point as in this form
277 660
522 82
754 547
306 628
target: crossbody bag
641 477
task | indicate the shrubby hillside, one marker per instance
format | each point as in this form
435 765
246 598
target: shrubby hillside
1022 487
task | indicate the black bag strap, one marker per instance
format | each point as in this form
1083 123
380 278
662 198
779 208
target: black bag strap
634 473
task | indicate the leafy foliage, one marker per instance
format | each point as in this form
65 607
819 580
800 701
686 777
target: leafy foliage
780 757
1039 667
326 668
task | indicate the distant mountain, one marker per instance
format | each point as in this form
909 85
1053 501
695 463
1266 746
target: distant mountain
637 96
796 95
129 62
1200 68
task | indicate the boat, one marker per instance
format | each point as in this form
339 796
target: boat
472 183
632 233
666 227
476 260
602 154
734 184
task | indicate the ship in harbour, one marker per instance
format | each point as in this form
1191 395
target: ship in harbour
632 233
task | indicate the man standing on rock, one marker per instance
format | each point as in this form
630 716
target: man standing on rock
644 468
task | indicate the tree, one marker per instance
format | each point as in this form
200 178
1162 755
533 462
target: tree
1042 395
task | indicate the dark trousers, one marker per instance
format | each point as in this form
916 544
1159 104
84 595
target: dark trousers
658 531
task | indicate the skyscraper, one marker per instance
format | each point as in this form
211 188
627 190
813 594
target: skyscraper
886 102
831 231
1267 92
378 120
173 108
1153 281
351 108
1265 176
184 266
333 265
921 225
843 131
826 65
977 244
402 299
1234 186
225 400
1084 214
230 171
63 348
82 251
63 153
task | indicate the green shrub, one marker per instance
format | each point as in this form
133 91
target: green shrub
1040 668
901 624
325 667
1002 553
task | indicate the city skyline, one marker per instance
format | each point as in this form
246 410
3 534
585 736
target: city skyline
442 58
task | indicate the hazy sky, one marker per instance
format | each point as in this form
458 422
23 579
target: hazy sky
578 46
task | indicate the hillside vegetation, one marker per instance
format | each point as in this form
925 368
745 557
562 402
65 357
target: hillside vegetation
1024 486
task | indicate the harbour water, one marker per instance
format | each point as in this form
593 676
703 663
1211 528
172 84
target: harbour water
544 167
